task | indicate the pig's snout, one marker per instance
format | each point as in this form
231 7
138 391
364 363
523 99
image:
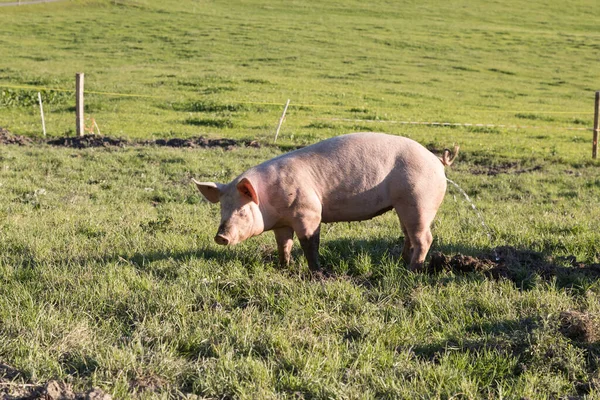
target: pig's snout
222 240
223 237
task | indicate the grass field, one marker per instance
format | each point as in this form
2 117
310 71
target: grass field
108 273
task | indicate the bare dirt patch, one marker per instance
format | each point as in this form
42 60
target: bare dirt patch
503 168
509 262
12 389
87 141
150 383
202 142
8 138
579 326
465 264
482 164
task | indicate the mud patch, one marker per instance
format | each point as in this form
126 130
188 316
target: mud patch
514 264
579 326
52 390
150 383
202 142
8 138
481 163
87 141
503 168
465 264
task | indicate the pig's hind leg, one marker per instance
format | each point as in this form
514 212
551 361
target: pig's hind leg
416 223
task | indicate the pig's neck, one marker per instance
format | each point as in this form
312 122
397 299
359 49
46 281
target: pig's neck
266 216
264 220
259 222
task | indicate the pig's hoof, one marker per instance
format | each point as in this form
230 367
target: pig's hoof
320 274
418 268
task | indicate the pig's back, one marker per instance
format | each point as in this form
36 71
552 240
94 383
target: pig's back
358 176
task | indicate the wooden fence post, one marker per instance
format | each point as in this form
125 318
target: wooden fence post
596 126
79 122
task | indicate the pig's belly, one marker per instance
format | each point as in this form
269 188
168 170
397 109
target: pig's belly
354 208
353 216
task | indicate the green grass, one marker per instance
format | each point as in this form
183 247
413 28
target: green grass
108 273
459 62
110 277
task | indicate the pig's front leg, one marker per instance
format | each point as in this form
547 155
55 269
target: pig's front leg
285 239
309 240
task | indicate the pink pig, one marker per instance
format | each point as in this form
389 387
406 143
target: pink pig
352 177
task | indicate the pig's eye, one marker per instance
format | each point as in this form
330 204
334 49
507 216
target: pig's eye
242 213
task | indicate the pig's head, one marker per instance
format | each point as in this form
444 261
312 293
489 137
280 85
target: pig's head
241 217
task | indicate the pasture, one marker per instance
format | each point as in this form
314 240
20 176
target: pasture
109 276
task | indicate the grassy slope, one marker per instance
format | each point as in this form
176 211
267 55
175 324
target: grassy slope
500 63
109 274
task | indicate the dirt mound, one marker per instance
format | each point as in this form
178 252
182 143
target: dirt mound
464 264
52 390
202 142
84 142
87 141
579 326
150 383
8 138
509 262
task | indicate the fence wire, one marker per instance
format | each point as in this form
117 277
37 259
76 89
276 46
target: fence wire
296 105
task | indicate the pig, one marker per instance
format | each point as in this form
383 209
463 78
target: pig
352 177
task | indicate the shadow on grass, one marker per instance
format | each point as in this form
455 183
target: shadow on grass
359 257
368 260
380 249
363 258
148 261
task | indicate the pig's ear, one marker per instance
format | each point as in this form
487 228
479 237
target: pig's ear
246 189
210 190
